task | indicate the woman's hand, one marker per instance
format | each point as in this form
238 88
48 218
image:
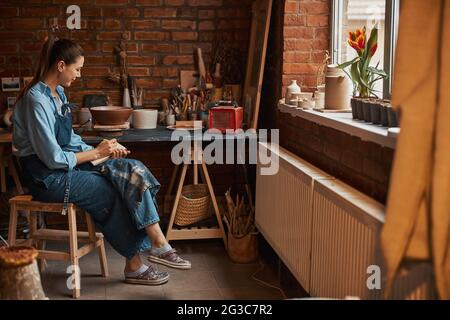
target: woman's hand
120 153
106 147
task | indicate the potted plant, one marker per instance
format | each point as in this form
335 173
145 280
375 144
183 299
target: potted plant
362 73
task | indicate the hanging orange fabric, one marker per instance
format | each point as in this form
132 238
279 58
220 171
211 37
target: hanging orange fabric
418 209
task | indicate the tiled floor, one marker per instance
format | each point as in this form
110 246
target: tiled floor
213 276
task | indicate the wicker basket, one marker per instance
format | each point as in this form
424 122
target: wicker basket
194 205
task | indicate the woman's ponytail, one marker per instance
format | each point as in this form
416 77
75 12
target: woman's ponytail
52 51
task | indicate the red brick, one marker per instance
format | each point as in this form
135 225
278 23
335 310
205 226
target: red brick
9 12
99 83
318 56
120 12
174 2
114 3
141 60
113 24
165 72
234 13
170 83
168 60
148 2
374 170
95 71
24 23
190 47
298 45
233 24
109 59
156 95
150 83
138 71
150 35
186 12
320 44
80 35
112 35
9 47
92 11
92 24
296 57
180 35
206 25
317 21
208 36
205 3
23 60
47 11
109 46
160 12
2 60
291 7
314 8
206 14
66 1
88 46
294 20
321 33
159 47
298 32
143 24
352 160
178 24
14 35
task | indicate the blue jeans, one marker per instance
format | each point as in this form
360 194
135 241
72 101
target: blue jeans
123 224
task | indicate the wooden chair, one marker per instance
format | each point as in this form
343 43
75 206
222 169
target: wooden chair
38 236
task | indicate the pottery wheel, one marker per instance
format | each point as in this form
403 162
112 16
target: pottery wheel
111 130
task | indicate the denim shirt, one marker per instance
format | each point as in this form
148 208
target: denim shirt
34 129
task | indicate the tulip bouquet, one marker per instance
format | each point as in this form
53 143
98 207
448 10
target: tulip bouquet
362 74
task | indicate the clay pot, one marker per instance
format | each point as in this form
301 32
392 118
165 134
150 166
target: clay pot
111 115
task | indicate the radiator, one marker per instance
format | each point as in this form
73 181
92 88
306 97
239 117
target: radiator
283 210
327 233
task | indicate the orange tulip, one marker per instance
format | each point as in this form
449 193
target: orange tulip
361 41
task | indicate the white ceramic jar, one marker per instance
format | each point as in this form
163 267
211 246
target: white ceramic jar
338 89
145 118
292 88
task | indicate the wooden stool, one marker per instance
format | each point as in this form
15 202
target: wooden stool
194 233
38 236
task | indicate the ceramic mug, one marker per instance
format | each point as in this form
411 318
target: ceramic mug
170 119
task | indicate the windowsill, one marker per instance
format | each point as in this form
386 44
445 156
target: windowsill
343 121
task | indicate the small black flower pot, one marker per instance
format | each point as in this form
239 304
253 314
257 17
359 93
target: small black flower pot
384 114
366 110
375 112
359 110
392 118
354 105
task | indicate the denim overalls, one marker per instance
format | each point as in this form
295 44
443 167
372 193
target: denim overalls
119 194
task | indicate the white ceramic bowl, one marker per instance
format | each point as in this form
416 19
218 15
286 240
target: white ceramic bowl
145 118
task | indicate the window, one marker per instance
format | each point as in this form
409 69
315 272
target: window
349 15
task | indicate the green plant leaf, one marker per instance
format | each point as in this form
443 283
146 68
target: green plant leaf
373 38
348 63
379 72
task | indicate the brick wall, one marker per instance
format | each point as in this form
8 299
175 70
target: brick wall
306 37
162 36
364 165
